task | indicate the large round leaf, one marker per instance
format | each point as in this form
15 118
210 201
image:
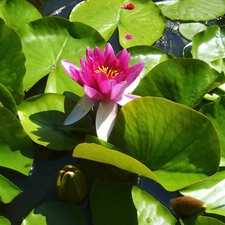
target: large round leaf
43 116
211 40
124 204
49 40
55 213
16 148
8 191
16 13
211 192
182 80
192 9
145 22
215 112
172 140
12 61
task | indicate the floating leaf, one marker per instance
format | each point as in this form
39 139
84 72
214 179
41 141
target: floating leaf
144 23
182 80
188 30
192 10
150 127
12 61
8 191
43 116
124 204
211 192
215 112
54 213
63 40
16 13
211 40
16 148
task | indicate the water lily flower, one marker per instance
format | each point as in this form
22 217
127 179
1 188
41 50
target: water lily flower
107 78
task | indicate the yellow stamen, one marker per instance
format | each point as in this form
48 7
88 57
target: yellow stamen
109 71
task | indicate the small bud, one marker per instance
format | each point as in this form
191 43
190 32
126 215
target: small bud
187 206
128 36
71 185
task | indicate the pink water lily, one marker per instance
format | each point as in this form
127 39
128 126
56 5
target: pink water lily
105 77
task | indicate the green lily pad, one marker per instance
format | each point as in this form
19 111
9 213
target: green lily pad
149 128
151 55
55 213
43 116
202 220
16 148
181 80
191 10
12 61
211 40
4 221
146 130
211 192
63 40
124 204
188 30
145 22
16 13
8 191
215 112
7 99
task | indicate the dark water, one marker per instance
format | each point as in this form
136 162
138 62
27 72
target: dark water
40 185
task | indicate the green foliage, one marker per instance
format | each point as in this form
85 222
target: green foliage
145 22
50 213
192 10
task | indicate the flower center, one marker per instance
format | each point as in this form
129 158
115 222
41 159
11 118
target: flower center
108 71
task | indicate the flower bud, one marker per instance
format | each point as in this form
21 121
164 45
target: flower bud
71 185
187 206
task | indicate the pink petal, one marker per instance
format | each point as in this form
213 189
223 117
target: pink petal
108 49
80 110
72 70
128 36
118 90
105 118
98 53
107 86
133 85
124 58
92 93
126 98
133 72
86 79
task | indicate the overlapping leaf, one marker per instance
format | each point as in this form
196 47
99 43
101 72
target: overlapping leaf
211 192
182 80
192 9
145 22
49 40
16 148
116 203
202 220
16 13
149 128
12 61
54 213
216 113
4 221
43 116
8 191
